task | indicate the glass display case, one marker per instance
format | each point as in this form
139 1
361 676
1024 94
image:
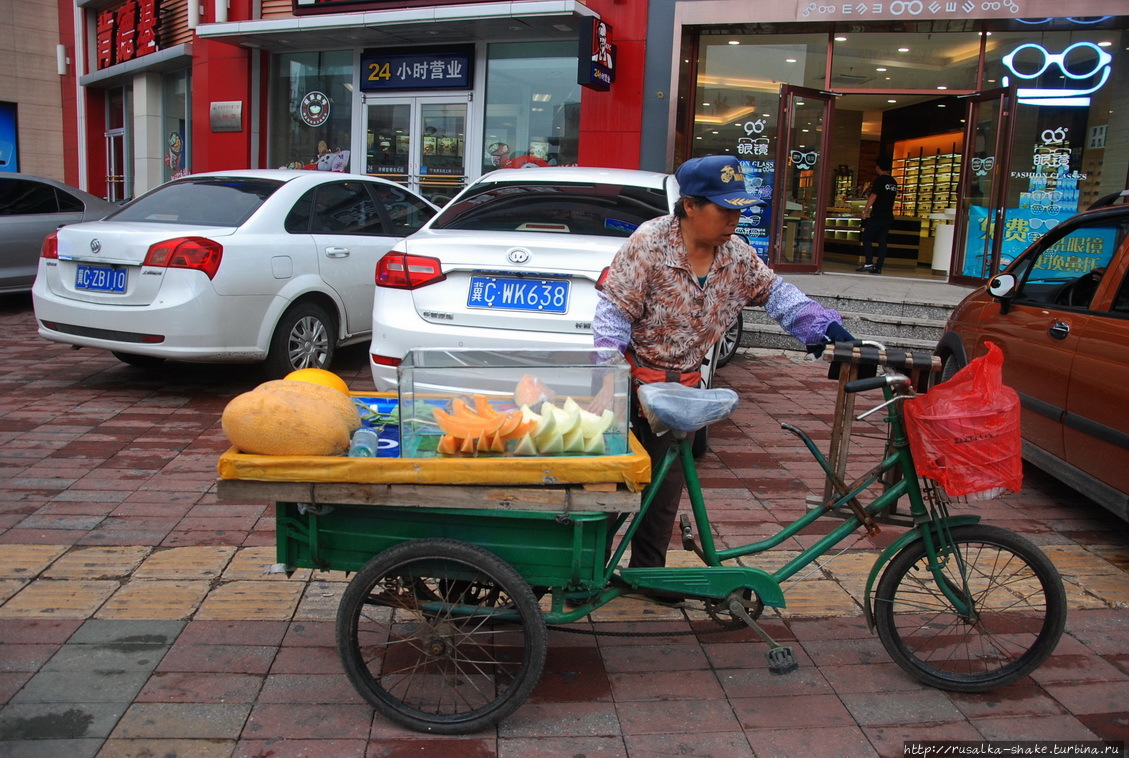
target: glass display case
513 403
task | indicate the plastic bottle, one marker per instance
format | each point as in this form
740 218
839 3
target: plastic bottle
365 443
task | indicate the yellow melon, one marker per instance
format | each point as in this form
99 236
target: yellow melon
343 404
319 376
273 421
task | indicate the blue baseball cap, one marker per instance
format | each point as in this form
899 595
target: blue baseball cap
717 178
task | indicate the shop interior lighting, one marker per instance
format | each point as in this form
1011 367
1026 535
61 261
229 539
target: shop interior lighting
789 60
903 49
1105 43
891 100
881 68
734 42
840 39
542 97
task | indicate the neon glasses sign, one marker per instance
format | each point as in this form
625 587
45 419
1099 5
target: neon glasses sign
1071 58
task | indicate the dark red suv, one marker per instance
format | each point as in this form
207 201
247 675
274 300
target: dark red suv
1060 313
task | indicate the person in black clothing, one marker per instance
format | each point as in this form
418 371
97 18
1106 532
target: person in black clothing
878 215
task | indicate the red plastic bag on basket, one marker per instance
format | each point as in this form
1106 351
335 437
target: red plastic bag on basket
964 433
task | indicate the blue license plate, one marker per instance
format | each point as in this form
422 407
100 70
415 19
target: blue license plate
100 279
506 294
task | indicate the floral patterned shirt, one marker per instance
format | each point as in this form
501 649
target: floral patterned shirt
651 300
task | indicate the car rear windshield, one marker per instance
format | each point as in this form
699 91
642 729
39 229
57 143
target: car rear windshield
207 201
605 210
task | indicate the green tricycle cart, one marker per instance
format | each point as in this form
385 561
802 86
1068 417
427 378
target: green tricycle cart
459 564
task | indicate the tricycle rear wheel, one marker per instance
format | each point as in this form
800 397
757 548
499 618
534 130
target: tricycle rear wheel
441 636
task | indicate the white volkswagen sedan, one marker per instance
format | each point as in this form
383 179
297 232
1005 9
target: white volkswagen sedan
510 262
269 266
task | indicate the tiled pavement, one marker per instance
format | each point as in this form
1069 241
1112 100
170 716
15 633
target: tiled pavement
136 618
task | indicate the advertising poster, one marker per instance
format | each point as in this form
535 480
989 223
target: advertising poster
756 222
9 140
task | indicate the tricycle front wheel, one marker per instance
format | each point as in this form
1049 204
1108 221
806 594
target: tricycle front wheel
1017 610
441 636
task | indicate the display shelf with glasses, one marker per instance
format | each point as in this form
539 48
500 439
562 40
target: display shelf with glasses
928 175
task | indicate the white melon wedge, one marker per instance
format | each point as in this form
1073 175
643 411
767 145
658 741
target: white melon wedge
525 446
597 425
546 421
549 444
594 445
574 441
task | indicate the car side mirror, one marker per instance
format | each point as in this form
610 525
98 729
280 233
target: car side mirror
1002 288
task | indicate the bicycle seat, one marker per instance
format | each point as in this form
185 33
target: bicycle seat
672 406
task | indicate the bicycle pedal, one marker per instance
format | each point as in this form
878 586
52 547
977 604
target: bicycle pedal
781 660
687 531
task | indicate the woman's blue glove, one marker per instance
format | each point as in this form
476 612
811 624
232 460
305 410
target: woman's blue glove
835 333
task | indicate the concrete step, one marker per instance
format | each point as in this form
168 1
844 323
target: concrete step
915 320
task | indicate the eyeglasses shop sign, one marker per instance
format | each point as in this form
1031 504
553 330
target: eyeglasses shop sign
226 116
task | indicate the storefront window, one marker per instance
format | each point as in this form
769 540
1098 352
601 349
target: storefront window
738 88
311 110
177 114
1061 158
532 106
905 60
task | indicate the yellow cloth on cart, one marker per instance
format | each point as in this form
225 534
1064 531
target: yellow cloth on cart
632 470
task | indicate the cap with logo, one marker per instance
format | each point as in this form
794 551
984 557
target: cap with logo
717 178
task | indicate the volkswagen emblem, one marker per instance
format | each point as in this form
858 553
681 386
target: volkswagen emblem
518 255
95 246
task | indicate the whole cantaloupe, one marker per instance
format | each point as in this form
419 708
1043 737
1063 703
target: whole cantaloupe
273 421
343 404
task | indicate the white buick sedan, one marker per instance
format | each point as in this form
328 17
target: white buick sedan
510 262
269 266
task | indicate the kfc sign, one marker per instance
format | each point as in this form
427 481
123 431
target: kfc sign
126 33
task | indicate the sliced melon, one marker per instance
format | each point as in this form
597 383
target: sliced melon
594 445
573 441
525 446
598 424
549 444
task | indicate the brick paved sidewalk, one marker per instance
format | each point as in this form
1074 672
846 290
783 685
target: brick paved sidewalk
136 618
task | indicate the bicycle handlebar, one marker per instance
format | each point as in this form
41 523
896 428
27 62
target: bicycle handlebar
875 382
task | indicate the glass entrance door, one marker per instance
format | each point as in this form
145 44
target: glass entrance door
801 197
983 184
419 142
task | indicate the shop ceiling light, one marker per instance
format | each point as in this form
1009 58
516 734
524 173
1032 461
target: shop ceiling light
903 49
840 39
880 68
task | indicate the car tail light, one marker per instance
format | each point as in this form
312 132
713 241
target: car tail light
385 360
408 272
50 248
197 253
603 276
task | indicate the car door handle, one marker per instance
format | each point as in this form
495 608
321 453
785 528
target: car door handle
1059 330
337 252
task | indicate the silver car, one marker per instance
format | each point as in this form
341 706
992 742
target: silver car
31 207
510 262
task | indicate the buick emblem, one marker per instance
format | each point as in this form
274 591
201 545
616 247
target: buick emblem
518 255
95 246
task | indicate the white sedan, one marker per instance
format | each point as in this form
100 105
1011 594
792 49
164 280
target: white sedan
268 266
511 262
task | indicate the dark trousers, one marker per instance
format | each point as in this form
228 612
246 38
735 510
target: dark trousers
648 547
875 232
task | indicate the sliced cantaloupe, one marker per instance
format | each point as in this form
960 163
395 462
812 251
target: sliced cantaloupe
448 445
483 408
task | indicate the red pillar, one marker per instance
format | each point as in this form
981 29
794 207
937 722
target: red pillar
610 122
